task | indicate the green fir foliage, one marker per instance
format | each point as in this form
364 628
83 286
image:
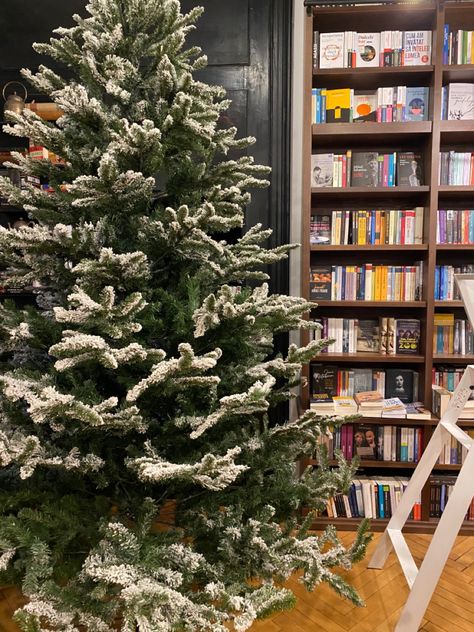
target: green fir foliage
145 376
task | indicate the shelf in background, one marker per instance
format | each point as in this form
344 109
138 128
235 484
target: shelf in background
454 190
368 77
364 248
458 72
369 304
398 465
325 134
453 358
455 131
370 357
370 192
455 247
379 524
448 304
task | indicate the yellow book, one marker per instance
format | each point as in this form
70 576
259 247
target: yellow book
362 236
384 282
338 106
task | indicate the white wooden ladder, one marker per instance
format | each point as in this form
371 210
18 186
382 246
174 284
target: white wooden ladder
423 581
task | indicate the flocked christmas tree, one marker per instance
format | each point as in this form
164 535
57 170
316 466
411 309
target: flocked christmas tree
145 373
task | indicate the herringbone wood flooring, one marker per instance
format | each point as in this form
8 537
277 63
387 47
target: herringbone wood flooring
385 592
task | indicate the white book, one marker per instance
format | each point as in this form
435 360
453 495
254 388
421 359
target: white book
367 49
331 50
419 212
460 101
387 443
417 48
322 166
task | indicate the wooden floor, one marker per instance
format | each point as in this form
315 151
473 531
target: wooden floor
385 591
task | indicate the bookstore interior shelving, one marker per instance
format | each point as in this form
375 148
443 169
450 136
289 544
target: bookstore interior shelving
429 138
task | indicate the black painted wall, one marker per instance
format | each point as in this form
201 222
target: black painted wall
248 44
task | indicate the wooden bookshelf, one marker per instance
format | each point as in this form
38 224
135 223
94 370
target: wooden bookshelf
429 137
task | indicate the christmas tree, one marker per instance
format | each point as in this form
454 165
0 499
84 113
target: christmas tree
143 483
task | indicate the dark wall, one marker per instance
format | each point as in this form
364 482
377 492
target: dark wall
247 43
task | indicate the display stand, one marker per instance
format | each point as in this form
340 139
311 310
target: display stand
423 581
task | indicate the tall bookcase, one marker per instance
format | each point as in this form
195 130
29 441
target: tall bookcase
430 137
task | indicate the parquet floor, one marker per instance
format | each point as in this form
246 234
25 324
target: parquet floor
385 592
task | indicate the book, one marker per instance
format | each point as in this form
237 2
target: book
368 49
417 104
368 397
364 105
416 410
393 407
365 442
368 336
320 229
417 48
460 101
338 106
407 336
323 382
409 169
320 283
344 405
399 383
365 168
322 170
331 50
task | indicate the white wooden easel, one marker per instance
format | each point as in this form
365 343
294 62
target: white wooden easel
423 581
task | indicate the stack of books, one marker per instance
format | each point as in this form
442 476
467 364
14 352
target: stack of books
382 105
455 226
442 396
374 227
458 46
367 169
452 335
367 282
441 488
457 102
375 498
349 49
383 335
456 168
445 288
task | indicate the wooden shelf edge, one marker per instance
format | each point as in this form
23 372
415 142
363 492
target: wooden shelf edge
371 247
374 191
371 128
379 524
370 357
374 70
368 304
448 304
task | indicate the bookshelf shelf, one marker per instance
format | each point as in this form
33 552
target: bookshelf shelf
453 358
367 193
371 357
370 247
370 304
456 191
455 131
327 133
458 73
448 304
378 524
455 247
428 138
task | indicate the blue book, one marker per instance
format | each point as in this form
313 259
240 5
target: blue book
442 501
391 170
446 45
418 100
436 296
381 501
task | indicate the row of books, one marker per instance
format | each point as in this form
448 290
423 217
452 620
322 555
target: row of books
457 102
367 169
349 49
444 286
453 452
373 498
441 395
382 335
371 442
367 282
382 105
456 168
452 335
374 227
440 492
458 46
327 382
455 226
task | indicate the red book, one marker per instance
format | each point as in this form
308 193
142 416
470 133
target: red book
403 227
350 441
